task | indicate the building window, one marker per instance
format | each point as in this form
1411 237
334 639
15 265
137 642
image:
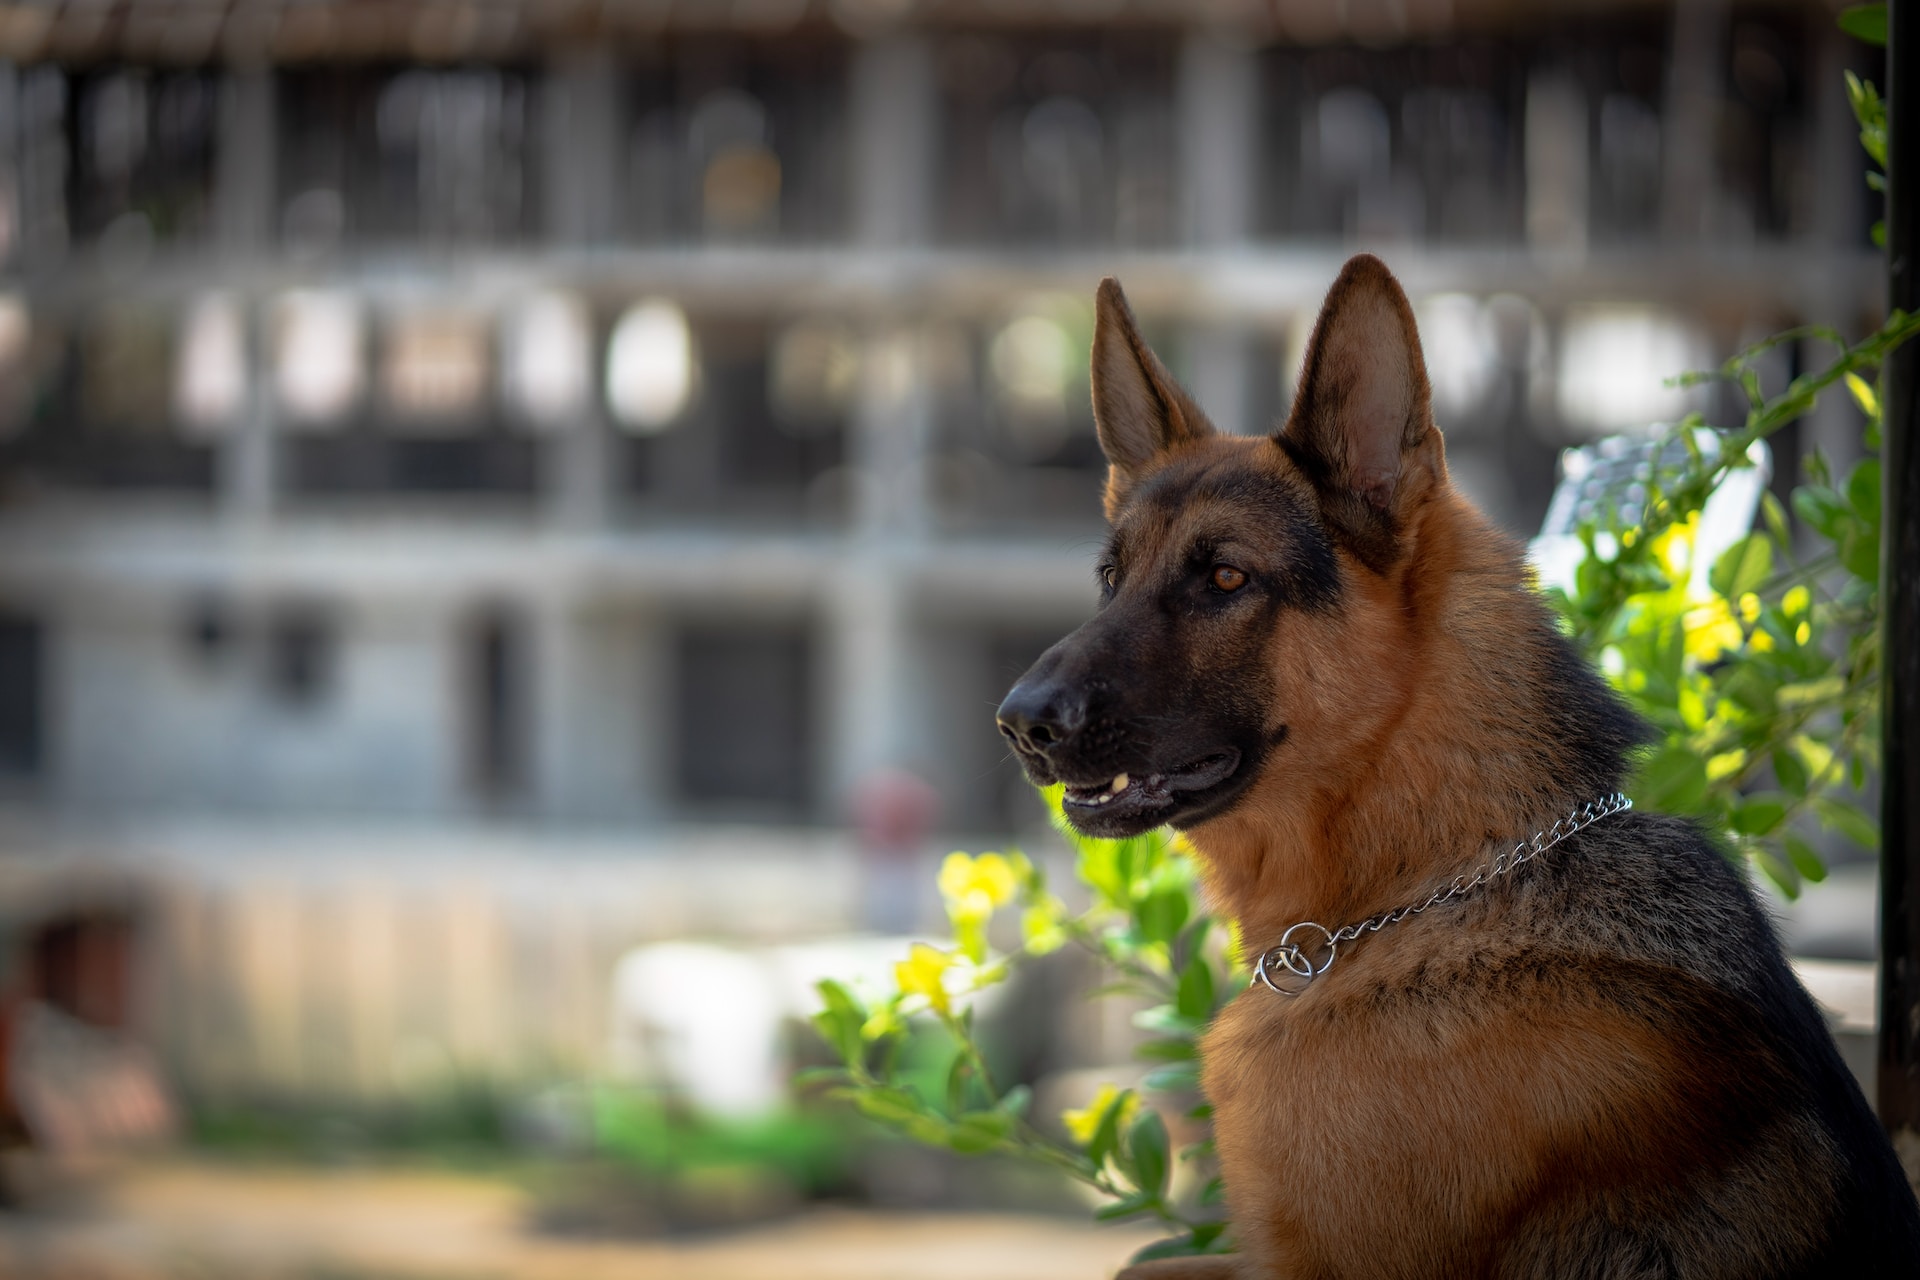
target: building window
302 653
494 662
1057 140
143 160
22 679
436 155
745 719
734 141
763 437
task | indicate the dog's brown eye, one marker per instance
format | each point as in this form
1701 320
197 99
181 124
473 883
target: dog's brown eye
1228 578
1109 577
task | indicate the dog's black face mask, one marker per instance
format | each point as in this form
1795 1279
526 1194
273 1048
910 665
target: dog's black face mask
1162 709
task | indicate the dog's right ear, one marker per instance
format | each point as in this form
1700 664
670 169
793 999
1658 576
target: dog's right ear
1140 412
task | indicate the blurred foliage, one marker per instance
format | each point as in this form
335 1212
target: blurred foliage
811 1152
1144 924
1762 682
461 1124
1760 679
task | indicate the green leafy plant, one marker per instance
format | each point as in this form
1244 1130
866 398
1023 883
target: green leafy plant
1144 925
1763 680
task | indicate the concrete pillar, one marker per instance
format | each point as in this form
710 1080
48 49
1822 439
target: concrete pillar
248 470
869 699
1838 176
1218 130
1217 118
1558 163
244 203
244 221
893 114
1688 191
582 123
582 127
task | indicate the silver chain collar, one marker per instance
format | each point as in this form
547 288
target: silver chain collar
1292 964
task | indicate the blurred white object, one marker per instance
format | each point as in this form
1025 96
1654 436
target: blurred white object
318 364
650 367
210 375
708 1022
1614 365
1611 475
545 372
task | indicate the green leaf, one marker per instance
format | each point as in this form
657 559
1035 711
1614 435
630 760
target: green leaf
1207 1235
1215 1192
1168 1021
1161 914
1125 1208
1182 1077
1790 772
979 1131
1758 815
1804 859
1808 693
1860 553
1822 508
1147 1152
1776 518
1777 871
1743 567
1866 22
1106 1135
958 1076
1180 1050
840 1021
1016 1101
887 1104
1186 1246
1863 491
1194 996
1674 779
1838 815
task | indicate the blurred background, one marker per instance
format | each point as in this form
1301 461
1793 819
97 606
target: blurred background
515 516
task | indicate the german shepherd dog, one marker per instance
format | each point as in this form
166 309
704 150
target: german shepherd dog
1323 664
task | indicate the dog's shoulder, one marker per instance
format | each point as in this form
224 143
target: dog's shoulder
1651 889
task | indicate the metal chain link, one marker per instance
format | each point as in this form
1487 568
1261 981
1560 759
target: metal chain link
1299 967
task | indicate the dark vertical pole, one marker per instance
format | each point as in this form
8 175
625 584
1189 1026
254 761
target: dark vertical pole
1900 603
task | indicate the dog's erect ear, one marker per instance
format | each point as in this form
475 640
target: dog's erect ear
1362 421
1140 412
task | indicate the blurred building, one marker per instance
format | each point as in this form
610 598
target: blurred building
482 483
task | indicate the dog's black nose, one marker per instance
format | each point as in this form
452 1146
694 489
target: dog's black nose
1039 716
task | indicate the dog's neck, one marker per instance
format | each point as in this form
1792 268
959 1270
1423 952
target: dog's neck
1488 730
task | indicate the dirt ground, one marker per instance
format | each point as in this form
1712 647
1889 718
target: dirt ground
196 1221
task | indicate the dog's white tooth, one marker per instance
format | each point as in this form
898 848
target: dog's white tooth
1119 783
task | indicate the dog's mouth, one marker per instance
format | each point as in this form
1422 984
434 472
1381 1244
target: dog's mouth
1129 803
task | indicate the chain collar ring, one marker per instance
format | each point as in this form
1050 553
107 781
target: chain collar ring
1288 968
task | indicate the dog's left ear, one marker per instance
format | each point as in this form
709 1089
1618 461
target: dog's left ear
1362 422
1139 411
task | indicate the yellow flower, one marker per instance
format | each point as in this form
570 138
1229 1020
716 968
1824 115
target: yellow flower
924 973
1675 547
1084 1123
978 885
1795 602
1711 630
1040 927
